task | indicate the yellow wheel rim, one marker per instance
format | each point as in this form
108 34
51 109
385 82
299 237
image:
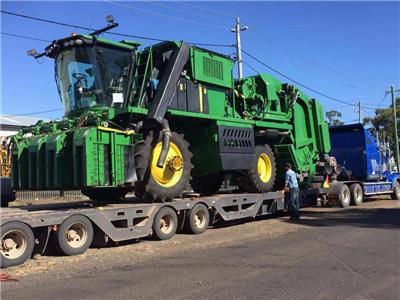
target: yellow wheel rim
264 167
172 170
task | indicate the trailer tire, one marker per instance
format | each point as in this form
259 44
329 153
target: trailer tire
197 219
396 191
162 184
75 235
165 223
357 195
207 185
20 239
260 178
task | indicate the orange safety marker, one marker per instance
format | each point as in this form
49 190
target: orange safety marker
326 183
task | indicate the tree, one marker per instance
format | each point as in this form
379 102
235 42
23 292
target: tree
333 117
383 121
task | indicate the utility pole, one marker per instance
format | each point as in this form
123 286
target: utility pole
237 30
396 135
359 111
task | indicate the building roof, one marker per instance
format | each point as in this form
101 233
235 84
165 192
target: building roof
20 120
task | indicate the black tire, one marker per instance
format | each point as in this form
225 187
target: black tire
24 241
396 191
197 219
207 185
77 225
147 186
105 194
165 223
345 196
251 181
357 194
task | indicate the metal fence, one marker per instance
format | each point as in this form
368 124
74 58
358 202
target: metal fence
47 194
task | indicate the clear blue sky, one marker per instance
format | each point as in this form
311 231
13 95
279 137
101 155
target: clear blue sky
347 50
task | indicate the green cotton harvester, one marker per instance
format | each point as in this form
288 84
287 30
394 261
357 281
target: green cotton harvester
161 119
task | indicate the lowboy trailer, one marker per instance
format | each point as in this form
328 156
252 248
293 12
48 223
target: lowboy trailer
73 227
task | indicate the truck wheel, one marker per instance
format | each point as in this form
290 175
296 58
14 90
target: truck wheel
344 196
165 223
260 178
357 195
17 243
396 191
197 219
207 185
168 182
75 235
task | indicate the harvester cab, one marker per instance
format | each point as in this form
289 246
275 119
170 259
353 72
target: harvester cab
91 72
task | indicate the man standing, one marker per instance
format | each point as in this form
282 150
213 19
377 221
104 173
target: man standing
292 187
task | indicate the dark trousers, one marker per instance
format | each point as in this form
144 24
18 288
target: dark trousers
294 201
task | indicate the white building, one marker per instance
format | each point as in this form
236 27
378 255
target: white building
9 125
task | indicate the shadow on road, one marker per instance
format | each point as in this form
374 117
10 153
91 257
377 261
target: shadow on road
385 218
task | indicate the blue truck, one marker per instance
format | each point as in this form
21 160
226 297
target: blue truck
366 169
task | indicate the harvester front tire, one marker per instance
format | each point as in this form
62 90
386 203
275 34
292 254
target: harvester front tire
260 178
162 184
207 185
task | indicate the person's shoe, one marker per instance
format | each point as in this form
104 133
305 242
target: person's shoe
294 218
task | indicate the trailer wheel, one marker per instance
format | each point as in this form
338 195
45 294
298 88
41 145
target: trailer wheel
168 182
197 219
75 235
165 223
207 185
17 243
260 178
396 191
357 195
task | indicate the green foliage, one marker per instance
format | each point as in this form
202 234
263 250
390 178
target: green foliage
333 118
383 120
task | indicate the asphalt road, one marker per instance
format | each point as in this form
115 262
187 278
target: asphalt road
329 254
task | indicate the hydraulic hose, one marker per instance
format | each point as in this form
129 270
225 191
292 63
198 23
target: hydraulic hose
165 143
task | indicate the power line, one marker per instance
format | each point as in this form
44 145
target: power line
32 113
163 15
25 37
185 11
301 84
205 9
92 29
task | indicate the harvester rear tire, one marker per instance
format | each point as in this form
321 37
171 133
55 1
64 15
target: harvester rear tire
255 180
148 186
207 185
396 190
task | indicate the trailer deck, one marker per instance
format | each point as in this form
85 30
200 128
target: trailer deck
126 220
